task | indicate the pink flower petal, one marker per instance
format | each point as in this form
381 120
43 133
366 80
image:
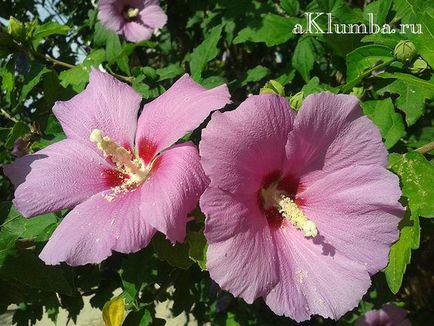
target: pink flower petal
249 253
135 31
314 279
57 177
389 314
181 109
106 104
173 190
153 16
95 228
239 151
330 133
357 211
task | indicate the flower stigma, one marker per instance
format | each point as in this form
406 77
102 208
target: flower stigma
126 163
272 197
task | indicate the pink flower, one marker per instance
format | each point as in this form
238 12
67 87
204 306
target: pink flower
135 20
388 315
124 177
300 209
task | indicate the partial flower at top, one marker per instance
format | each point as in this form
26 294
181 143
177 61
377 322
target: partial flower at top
125 178
301 209
388 315
135 20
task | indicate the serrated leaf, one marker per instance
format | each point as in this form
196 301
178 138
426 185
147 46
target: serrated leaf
205 52
417 178
197 248
304 56
413 92
176 256
138 318
273 30
133 275
47 29
169 72
382 113
366 57
255 74
78 76
290 6
31 80
400 253
113 51
18 130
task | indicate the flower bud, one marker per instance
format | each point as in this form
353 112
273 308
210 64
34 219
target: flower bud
405 51
418 66
113 311
296 100
358 91
16 29
273 87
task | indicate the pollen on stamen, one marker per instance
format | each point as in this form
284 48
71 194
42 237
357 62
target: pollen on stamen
289 209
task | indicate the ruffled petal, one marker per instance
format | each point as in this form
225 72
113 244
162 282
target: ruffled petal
181 109
173 190
330 133
106 104
240 148
57 177
356 210
314 279
241 255
153 16
95 228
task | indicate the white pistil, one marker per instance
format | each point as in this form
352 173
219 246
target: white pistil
137 171
289 209
132 13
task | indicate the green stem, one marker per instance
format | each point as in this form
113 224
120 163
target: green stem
425 148
348 87
8 116
69 66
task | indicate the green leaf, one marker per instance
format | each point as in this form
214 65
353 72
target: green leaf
33 272
31 80
417 178
16 29
133 275
255 74
419 12
413 92
205 52
138 318
7 44
78 76
47 29
382 113
291 7
379 9
113 51
273 30
365 57
197 248
304 56
169 72
19 129
400 253
176 256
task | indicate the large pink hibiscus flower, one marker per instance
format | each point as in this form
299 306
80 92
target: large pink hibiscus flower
135 20
124 177
300 209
